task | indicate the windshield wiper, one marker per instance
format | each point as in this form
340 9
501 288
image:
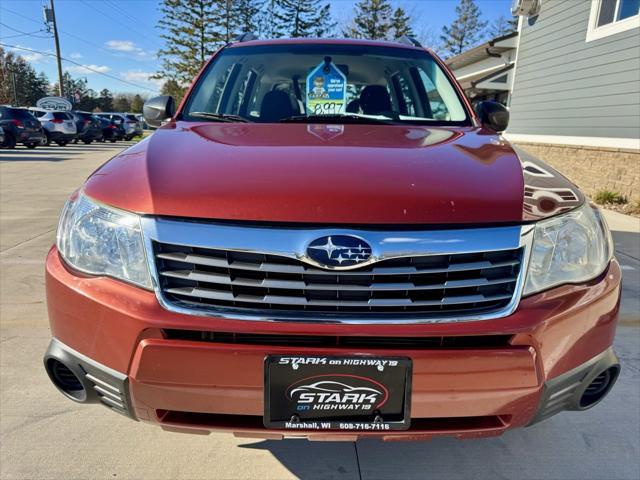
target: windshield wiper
218 117
336 119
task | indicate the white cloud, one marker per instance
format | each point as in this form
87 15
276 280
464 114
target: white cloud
121 45
84 69
75 55
126 46
138 76
31 57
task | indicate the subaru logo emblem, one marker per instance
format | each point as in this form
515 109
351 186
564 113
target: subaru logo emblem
339 251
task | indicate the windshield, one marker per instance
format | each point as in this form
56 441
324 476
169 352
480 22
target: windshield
316 82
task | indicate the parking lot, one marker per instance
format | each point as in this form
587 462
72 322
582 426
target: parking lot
43 435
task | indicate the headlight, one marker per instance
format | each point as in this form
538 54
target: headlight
100 240
570 248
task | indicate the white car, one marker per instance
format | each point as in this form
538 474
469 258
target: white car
128 122
59 127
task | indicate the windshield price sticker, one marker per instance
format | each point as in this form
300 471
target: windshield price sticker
326 90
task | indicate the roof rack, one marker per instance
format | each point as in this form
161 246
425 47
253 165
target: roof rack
407 40
245 37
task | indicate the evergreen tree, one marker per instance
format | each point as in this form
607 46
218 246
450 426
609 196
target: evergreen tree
193 30
173 88
29 86
269 25
105 101
304 18
466 30
400 24
136 104
121 104
248 15
502 26
372 20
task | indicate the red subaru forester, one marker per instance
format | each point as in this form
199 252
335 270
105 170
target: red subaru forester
325 240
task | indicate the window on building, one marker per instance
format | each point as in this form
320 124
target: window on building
616 10
609 17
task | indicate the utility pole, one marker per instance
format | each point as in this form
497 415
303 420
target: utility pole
57 42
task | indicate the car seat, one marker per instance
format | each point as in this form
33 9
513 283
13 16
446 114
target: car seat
374 100
276 105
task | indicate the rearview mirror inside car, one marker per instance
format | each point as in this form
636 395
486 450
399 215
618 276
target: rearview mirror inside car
158 109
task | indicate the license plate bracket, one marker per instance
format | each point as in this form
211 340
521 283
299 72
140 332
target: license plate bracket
360 393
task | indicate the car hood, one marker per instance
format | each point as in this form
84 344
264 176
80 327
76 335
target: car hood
330 174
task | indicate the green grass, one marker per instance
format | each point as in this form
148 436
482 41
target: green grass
604 197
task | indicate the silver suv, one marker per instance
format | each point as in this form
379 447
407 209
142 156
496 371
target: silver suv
59 127
128 121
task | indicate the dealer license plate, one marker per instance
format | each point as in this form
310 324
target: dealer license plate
337 393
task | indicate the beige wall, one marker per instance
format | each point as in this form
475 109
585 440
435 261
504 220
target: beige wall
593 168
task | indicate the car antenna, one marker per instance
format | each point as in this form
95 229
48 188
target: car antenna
407 40
245 37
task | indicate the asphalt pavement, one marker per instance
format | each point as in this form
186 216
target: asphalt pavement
44 435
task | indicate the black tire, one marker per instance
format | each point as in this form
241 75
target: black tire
9 141
75 141
128 138
113 140
87 142
62 143
31 145
47 140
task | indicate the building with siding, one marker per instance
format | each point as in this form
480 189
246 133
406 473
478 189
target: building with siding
575 93
486 71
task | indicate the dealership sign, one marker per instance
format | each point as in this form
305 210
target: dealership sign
57 104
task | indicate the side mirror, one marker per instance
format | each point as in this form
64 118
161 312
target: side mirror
493 115
158 109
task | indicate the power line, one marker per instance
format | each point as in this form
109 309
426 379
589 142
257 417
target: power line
22 16
21 33
79 65
75 36
128 27
123 12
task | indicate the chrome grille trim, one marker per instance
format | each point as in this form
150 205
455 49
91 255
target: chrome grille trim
252 293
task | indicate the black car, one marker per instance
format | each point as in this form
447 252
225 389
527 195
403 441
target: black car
110 130
88 127
19 127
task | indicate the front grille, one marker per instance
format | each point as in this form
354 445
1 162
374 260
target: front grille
466 283
333 341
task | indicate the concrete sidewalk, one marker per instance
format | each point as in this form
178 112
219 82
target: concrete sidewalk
626 236
44 435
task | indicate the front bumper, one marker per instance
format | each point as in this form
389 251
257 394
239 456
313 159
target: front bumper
198 386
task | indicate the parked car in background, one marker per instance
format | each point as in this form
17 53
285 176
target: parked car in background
110 131
143 124
19 126
134 119
59 127
88 127
1 136
129 125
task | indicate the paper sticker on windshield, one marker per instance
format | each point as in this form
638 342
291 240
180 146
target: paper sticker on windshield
326 90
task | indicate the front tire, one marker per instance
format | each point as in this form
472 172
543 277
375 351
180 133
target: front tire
31 145
62 143
87 142
47 140
113 140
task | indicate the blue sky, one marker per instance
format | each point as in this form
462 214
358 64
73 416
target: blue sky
118 38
